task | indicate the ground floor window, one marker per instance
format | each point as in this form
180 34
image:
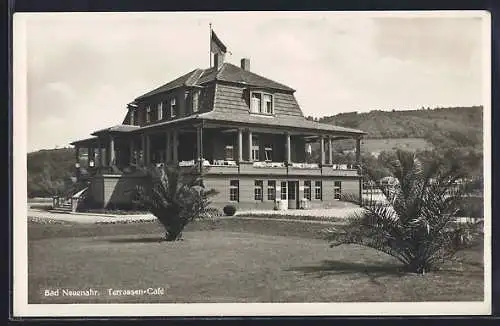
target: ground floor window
258 190
337 190
234 190
318 192
284 195
307 189
271 190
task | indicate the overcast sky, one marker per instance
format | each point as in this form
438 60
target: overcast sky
84 68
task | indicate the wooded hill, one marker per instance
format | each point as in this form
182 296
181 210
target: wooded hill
50 171
442 127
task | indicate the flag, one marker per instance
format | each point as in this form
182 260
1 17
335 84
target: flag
216 46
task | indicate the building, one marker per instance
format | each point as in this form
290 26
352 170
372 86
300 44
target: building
245 131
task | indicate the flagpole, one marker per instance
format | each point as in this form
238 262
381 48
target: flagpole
210 45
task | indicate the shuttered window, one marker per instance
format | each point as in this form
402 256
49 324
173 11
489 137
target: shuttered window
173 108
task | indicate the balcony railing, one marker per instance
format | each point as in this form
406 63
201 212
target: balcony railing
268 164
305 165
232 167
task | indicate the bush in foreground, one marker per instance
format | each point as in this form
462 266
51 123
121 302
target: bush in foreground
418 225
229 210
175 198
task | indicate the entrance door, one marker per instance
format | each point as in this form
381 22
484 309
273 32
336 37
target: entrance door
293 194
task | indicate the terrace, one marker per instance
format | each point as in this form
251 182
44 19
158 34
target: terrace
219 150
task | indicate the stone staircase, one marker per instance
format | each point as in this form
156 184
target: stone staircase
64 207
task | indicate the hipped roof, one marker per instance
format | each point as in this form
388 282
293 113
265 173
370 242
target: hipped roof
227 73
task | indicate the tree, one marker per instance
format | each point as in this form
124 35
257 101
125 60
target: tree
176 198
418 224
373 165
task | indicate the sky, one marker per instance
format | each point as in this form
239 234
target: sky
83 68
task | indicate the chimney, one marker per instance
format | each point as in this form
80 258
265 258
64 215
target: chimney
218 60
245 64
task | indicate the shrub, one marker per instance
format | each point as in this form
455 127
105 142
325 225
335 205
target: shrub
229 210
419 225
175 198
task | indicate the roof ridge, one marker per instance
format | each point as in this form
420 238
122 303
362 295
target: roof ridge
219 71
259 76
197 72
159 88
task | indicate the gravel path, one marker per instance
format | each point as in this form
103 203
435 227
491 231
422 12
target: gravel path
89 218
321 216
320 212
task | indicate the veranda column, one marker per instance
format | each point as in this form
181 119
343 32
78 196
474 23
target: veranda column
101 158
360 171
143 150
199 146
111 150
77 155
250 146
148 150
330 152
322 149
240 145
288 148
90 158
168 147
175 147
358 151
132 151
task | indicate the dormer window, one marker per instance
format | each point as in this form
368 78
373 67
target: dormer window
261 103
255 105
160 110
173 107
268 104
196 98
148 114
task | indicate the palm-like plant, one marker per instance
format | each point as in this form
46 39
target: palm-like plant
175 198
418 224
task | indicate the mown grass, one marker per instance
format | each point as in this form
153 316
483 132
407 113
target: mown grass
231 260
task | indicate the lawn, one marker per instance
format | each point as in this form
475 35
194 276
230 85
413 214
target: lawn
230 260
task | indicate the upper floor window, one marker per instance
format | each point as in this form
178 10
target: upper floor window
160 110
165 107
196 99
255 149
173 107
261 103
268 151
148 114
229 153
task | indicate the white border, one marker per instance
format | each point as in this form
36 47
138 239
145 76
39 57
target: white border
21 308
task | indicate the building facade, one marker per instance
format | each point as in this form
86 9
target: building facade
246 133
